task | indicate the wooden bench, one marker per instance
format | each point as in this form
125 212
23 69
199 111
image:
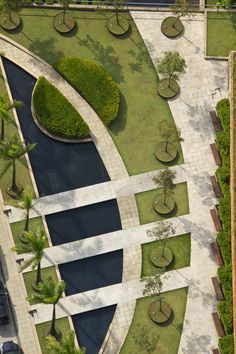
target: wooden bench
216 251
216 121
216 220
216 154
218 289
218 324
215 351
216 186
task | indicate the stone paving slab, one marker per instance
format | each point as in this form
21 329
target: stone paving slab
121 239
119 293
76 198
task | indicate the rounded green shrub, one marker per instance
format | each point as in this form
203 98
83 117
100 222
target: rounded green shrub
55 113
94 84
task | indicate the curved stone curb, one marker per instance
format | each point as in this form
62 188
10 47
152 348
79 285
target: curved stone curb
50 135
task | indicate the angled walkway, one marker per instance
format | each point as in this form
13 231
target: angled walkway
109 295
76 198
112 241
204 83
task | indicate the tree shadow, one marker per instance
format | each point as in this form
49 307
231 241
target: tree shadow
106 56
140 56
46 49
119 123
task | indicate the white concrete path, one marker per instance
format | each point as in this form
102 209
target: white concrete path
204 83
112 241
109 295
94 194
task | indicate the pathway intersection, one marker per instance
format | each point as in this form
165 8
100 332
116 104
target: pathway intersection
203 85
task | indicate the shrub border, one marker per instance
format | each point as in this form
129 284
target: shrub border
50 135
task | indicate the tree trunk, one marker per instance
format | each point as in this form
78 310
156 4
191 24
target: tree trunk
52 331
177 18
9 16
64 15
2 129
165 196
160 301
166 145
163 249
13 184
38 278
27 222
117 17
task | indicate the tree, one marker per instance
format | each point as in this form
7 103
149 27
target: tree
225 4
154 285
65 4
34 244
5 107
169 133
12 150
9 6
161 233
145 340
165 180
49 292
26 203
171 65
182 8
65 346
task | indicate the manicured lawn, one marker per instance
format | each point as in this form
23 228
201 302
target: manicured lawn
180 246
22 173
30 278
62 325
169 336
221 33
145 204
18 227
135 131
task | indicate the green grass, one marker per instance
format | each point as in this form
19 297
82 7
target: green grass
169 335
18 227
22 173
180 246
221 33
135 131
62 325
145 204
30 278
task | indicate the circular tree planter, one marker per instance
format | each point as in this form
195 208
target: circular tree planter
10 23
166 153
157 314
163 208
64 25
161 257
118 28
168 88
172 27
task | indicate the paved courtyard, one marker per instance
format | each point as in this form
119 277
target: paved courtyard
201 87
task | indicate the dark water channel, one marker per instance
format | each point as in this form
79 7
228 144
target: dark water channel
60 167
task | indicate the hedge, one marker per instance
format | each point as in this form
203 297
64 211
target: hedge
56 114
226 344
94 84
224 237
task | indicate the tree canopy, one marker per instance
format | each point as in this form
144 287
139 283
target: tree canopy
171 65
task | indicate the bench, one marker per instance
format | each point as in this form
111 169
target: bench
216 220
20 260
218 324
216 121
216 251
216 154
7 210
215 351
216 186
217 288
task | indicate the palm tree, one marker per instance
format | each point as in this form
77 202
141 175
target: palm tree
34 244
26 203
10 151
65 346
5 107
50 292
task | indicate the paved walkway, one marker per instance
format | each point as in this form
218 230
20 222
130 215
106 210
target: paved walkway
112 241
109 295
204 83
80 197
